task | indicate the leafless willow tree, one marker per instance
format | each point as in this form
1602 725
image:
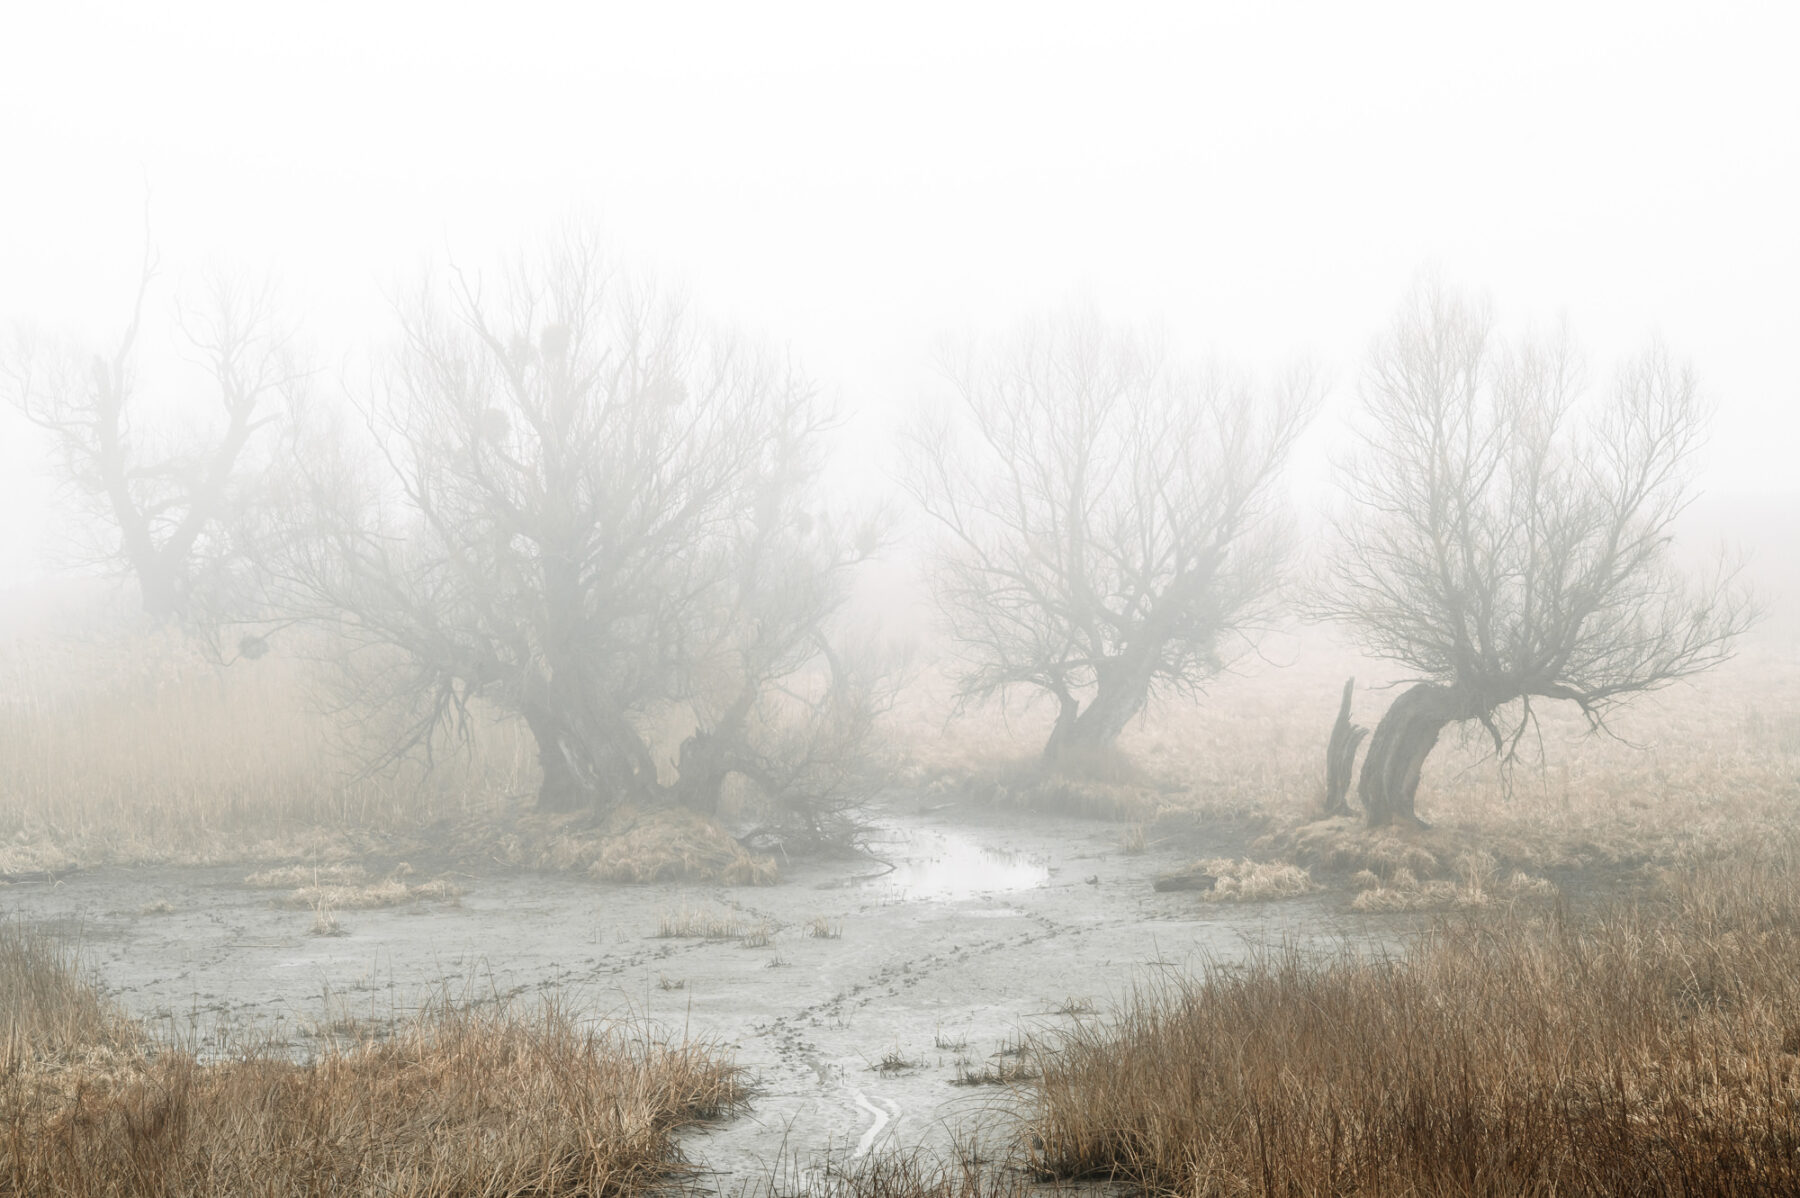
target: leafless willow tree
1106 518
167 490
587 508
1508 538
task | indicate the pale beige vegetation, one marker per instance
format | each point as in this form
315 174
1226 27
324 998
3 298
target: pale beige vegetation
710 924
1671 1021
126 746
1246 881
1694 769
1647 1048
122 748
50 1012
481 1099
135 747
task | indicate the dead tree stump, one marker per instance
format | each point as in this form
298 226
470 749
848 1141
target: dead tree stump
1340 756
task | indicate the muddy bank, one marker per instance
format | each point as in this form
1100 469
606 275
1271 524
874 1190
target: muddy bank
857 993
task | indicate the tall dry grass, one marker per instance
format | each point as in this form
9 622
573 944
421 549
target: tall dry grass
1686 770
130 745
463 1100
49 1008
1652 1049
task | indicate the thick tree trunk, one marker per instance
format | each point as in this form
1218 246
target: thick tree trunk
1340 756
1122 687
1403 740
713 754
159 588
588 764
560 788
1068 709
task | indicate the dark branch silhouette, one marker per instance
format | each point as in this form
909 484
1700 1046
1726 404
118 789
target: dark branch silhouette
168 499
585 509
1105 518
1509 539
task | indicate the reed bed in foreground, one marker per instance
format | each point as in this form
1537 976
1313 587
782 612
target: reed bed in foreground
49 1010
464 1100
1650 1050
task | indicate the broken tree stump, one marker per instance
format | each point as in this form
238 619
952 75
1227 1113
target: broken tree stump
1340 756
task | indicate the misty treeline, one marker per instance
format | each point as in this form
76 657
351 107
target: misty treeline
563 497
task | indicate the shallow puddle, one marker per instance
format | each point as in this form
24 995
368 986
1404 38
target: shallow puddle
938 866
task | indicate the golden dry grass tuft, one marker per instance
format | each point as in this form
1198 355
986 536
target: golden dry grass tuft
964 1173
391 892
695 924
281 877
1648 1049
1478 882
995 1071
464 1100
325 923
1246 881
673 844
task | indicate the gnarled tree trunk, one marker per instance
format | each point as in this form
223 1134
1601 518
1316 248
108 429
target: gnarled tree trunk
1403 739
1068 710
1340 756
589 763
1122 687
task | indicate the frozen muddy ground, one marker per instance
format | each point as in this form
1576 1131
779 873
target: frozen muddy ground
988 925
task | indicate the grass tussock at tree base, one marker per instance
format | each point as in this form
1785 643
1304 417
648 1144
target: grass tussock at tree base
629 844
1427 864
1246 881
1649 1050
464 1100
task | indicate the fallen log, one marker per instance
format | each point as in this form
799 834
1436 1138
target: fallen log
1191 879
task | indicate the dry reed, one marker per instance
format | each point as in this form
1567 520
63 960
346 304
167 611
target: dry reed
464 1100
1648 1050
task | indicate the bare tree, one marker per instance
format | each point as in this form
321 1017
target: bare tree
166 496
1106 519
586 508
1509 541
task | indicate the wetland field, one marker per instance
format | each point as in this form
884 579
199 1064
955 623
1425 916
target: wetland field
985 992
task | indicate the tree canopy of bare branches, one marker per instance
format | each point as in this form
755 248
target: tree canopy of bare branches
1107 520
168 496
1507 537
586 507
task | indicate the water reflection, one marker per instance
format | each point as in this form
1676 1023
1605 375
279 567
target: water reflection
944 867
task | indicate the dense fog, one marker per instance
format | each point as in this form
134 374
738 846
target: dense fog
802 600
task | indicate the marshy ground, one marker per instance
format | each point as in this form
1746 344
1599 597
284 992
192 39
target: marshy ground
868 1000
1584 957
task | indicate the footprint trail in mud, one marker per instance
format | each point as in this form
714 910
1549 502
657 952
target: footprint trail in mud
980 934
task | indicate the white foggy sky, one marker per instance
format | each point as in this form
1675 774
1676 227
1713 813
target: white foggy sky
1261 178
